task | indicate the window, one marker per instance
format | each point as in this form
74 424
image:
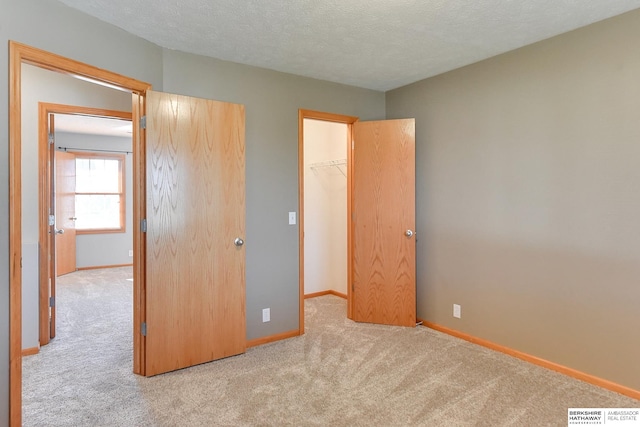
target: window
99 200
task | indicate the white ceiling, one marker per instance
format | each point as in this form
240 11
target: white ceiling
92 125
375 44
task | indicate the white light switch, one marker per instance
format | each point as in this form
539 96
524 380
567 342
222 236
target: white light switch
292 218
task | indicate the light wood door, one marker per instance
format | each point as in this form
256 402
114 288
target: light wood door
383 214
195 285
65 191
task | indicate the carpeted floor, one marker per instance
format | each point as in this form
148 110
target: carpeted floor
339 373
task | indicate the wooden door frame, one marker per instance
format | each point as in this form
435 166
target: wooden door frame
334 118
22 54
47 248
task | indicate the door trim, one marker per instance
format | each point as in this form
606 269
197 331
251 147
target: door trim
19 54
327 117
46 242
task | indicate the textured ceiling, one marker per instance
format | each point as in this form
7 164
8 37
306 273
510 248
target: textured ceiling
375 44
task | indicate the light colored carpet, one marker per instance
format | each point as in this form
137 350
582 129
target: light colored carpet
339 373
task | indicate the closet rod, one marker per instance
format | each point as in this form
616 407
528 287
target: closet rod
328 163
93 150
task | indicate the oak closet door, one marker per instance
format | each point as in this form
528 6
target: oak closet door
383 222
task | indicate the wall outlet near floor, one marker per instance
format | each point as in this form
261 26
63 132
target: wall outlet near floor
457 311
266 315
130 252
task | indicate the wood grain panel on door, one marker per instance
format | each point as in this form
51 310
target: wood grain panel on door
65 190
195 282
383 206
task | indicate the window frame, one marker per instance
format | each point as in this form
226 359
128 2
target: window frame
122 193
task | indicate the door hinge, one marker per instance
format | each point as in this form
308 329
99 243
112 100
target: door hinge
143 122
52 301
143 225
52 139
143 329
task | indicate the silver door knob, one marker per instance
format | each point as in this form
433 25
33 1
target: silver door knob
238 242
60 231
408 233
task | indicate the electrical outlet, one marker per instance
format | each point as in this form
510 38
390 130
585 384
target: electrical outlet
266 315
457 311
130 252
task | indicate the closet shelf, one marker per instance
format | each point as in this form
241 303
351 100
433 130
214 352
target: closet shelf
330 164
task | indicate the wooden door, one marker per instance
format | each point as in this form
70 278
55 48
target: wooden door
195 279
65 192
383 222
49 312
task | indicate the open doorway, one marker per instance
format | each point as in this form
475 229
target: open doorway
324 168
87 195
380 172
19 56
325 208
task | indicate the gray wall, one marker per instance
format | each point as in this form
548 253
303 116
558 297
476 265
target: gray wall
94 250
272 101
528 199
